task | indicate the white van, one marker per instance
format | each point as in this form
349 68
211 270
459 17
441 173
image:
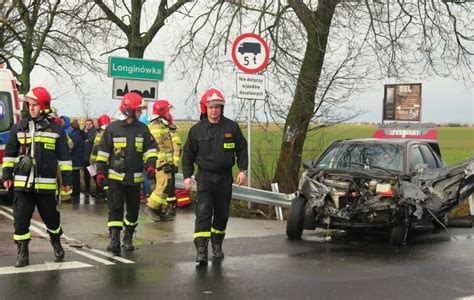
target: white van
9 111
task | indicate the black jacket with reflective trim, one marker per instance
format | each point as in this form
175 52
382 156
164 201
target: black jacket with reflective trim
213 147
132 143
50 150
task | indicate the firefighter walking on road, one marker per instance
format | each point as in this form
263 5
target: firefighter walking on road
125 145
161 204
35 149
213 144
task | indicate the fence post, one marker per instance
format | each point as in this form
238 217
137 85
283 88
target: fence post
278 210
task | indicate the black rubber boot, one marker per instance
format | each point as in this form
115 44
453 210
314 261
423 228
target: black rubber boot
216 241
56 243
114 245
23 258
170 211
201 248
172 208
127 238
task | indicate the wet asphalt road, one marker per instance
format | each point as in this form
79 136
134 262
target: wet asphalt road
260 263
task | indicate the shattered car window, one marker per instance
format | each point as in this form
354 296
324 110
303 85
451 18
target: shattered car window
353 156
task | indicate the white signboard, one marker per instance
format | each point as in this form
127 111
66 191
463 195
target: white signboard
251 86
148 89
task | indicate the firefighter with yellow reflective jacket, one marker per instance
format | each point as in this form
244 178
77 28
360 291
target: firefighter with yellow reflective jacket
125 146
36 147
102 121
161 204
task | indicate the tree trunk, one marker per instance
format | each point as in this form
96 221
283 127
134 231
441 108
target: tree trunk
301 110
136 52
26 68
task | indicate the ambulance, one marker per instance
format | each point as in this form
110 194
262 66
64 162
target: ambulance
9 115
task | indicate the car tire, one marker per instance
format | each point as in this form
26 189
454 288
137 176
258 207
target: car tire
294 224
398 235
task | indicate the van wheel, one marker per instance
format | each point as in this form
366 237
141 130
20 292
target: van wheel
294 224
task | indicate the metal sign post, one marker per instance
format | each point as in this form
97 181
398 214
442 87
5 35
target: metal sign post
250 54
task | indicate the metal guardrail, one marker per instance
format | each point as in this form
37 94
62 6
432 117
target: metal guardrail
250 194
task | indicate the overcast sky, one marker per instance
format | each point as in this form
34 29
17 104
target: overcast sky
443 100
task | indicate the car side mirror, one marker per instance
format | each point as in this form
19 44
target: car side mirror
307 164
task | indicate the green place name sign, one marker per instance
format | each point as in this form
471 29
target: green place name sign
136 68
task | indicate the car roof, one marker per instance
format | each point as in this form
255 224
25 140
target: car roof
379 141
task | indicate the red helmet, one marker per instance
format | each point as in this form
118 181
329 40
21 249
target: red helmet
103 120
161 107
211 97
131 102
41 95
57 120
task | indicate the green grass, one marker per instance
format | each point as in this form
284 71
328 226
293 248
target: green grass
457 144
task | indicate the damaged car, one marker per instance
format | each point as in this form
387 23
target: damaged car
385 184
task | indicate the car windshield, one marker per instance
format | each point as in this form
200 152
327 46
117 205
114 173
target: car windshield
357 156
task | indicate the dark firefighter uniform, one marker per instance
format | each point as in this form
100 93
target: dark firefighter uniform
122 150
36 185
213 148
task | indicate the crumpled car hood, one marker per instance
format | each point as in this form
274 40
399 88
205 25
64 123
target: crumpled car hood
361 196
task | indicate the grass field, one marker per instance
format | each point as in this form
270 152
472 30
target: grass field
457 144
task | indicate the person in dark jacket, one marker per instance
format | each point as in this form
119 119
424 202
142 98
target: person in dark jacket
124 148
35 149
77 156
91 132
213 144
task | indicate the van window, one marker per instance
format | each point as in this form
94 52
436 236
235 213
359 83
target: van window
6 112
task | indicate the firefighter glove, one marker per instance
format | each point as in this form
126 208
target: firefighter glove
150 172
168 168
100 180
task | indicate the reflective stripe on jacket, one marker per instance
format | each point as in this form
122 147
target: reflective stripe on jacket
51 152
123 149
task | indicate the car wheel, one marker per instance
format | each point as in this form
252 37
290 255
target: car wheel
294 224
398 235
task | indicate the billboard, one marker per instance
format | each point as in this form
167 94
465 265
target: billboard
402 102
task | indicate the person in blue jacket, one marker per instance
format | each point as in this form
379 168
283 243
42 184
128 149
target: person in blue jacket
66 124
78 138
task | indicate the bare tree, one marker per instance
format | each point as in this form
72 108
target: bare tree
127 17
322 51
45 33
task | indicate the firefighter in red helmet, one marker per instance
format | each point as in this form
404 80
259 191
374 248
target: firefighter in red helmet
36 149
161 204
102 122
125 147
213 145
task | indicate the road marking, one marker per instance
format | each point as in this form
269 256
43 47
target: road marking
110 255
69 248
48 266
93 257
6 215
